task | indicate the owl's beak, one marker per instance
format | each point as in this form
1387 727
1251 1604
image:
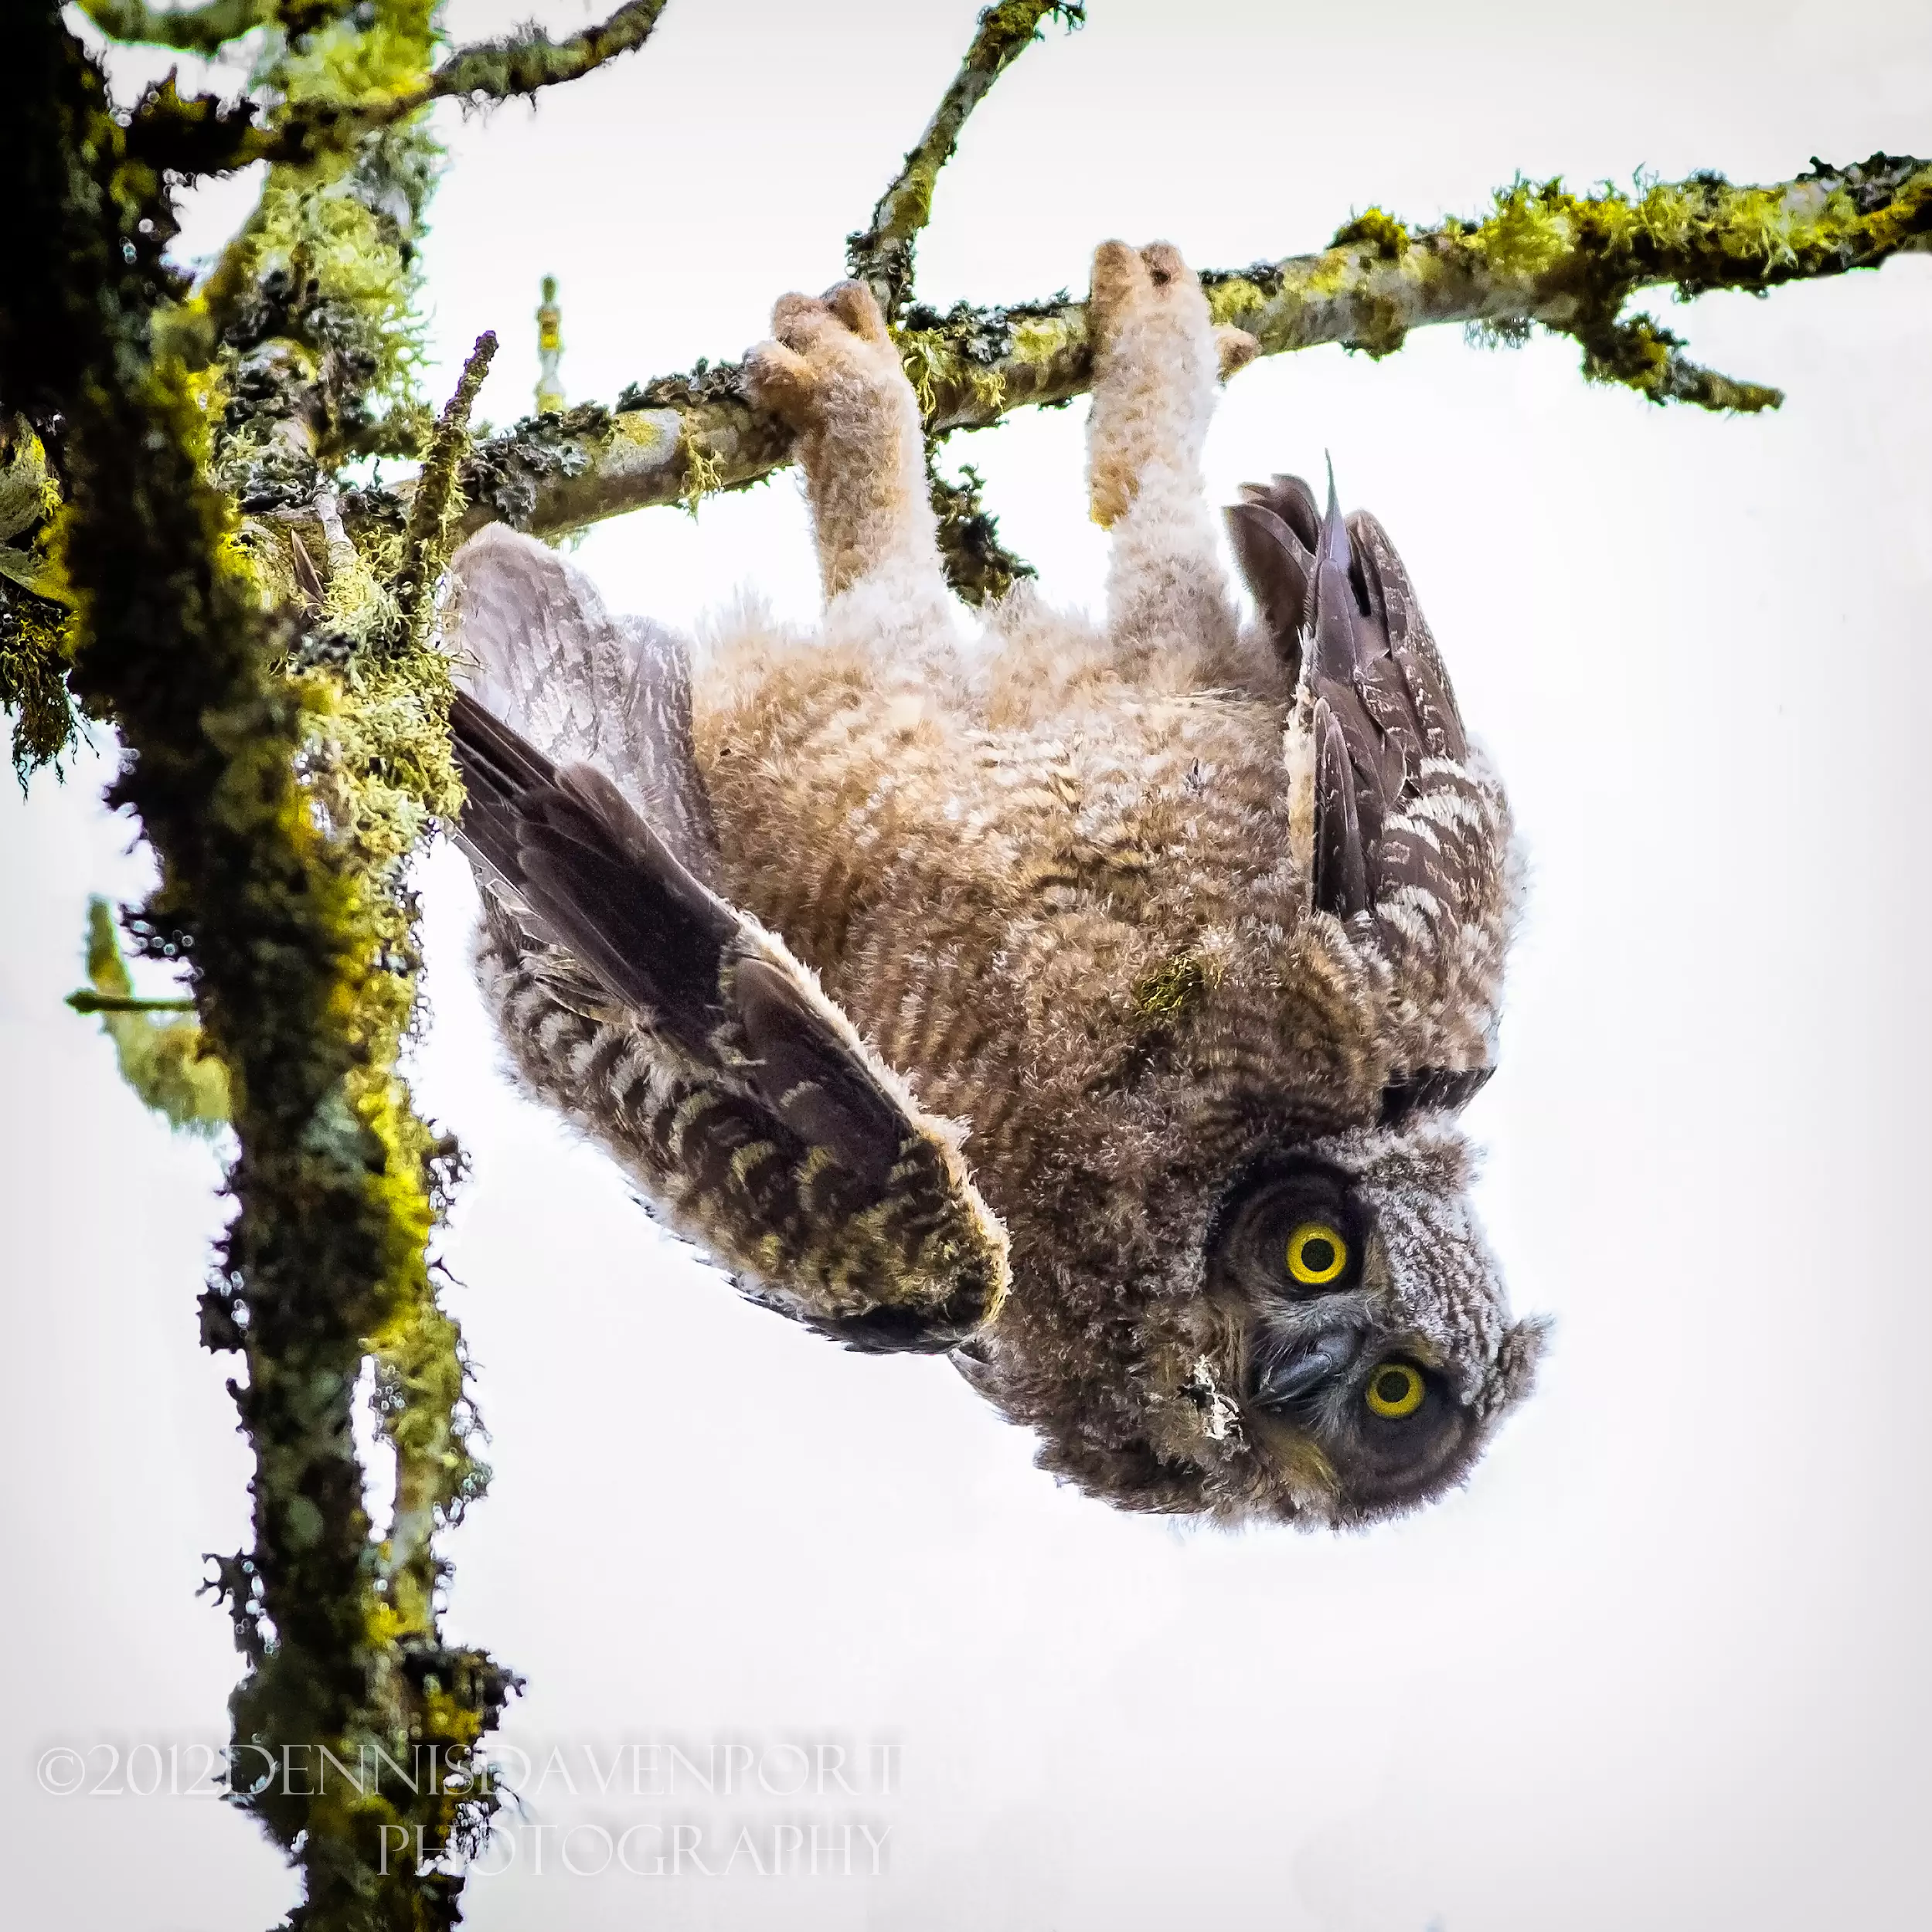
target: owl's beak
1293 1377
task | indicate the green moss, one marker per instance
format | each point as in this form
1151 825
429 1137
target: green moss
283 763
1175 987
314 305
1381 233
34 648
701 475
165 1059
979 566
1231 297
35 640
1580 259
436 507
960 363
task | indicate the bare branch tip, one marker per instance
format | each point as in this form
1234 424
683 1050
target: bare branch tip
881 255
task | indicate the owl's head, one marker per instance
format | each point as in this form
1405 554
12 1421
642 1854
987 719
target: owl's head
1365 1340
1321 1337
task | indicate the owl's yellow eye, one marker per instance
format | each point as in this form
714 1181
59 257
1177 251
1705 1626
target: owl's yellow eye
1395 1390
1317 1254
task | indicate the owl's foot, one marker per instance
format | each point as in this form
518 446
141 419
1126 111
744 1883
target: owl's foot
832 356
833 376
1157 356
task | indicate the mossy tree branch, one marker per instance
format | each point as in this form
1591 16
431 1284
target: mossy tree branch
881 255
203 30
1541 257
979 566
282 771
33 615
203 135
436 508
503 70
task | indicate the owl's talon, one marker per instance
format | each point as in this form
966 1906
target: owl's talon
1129 283
800 321
1117 269
1164 263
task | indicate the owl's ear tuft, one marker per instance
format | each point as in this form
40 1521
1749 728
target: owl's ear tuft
1513 1374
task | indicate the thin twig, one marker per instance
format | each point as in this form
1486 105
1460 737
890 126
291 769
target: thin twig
501 69
881 255
201 135
433 510
977 565
86 1002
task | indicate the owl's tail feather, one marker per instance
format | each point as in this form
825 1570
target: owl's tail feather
1408 837
1345 619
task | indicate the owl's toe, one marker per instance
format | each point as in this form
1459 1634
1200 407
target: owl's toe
779 379
1234 349
800 321
1119 273
855 305
1164 264
1131 284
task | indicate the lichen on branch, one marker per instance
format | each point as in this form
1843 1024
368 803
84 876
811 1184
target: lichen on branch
162 1054
34 638
283 768
437 507
1545 257
204 135
1541 258
503 70
980 568
203 30
881 255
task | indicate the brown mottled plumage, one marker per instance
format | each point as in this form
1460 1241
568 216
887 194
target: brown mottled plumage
1094 1002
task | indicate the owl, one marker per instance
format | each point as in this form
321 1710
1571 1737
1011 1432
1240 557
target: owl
1091 1001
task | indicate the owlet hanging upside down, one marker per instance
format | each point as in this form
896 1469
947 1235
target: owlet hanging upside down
1093 1002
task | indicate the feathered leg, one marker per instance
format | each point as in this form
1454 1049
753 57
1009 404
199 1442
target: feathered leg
834 376
1157 362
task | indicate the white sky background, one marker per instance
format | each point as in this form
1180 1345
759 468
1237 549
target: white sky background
1665 1662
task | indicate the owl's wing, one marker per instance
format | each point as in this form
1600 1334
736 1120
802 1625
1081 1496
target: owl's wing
1411 834
715 1067
536 648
